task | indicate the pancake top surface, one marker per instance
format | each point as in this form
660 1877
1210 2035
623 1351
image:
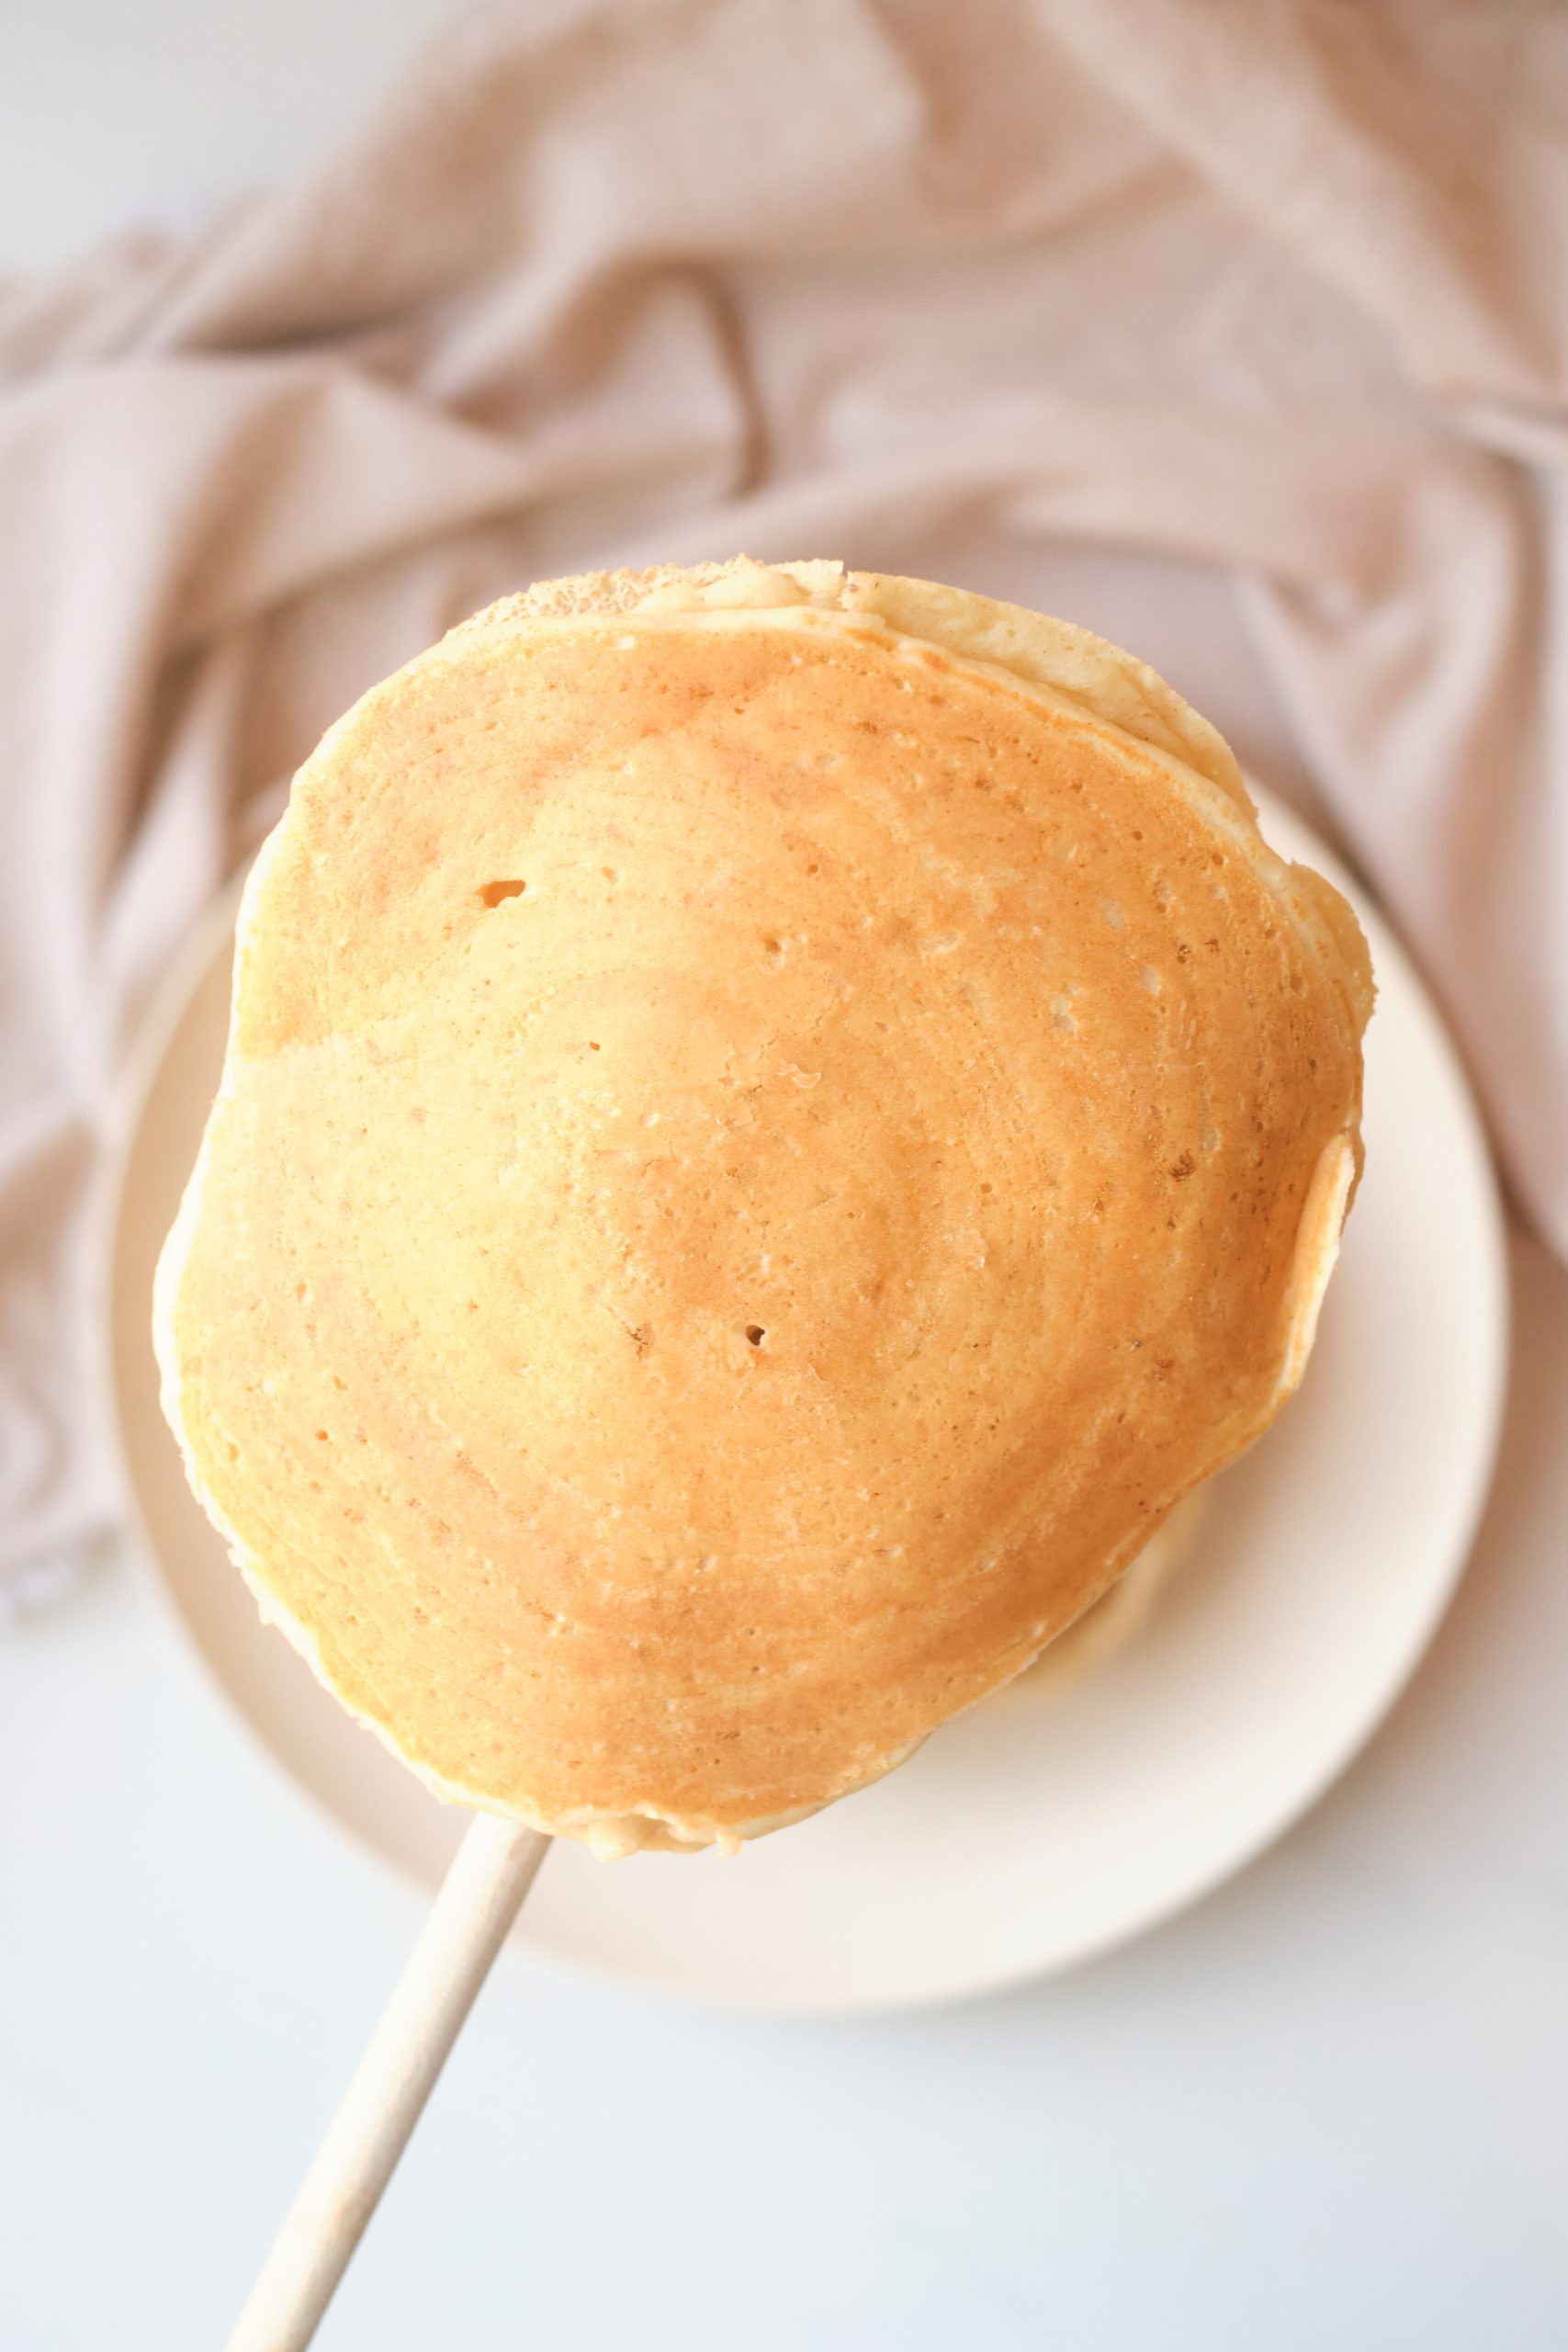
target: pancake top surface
775 1124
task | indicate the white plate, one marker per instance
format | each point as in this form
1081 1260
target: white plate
1055 1822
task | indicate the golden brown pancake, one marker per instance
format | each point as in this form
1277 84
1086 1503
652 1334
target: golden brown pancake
776 1122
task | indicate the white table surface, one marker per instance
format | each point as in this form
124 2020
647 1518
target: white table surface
1328 2108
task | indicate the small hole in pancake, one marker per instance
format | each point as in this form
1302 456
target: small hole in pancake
594 1044
492 893
609 873
321 1436
772 946
756 1334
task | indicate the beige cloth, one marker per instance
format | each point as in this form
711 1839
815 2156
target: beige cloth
1270 295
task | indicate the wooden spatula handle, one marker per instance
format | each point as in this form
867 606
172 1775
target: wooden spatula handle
481 1895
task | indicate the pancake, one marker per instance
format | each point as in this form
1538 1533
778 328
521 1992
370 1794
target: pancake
776 1122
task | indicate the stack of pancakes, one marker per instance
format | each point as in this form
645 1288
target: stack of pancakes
776 1122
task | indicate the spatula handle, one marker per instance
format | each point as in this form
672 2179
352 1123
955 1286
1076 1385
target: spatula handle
481 1897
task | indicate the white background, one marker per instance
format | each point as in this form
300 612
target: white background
1326 2110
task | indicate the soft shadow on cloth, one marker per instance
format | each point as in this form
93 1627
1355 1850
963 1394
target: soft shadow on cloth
1278 291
